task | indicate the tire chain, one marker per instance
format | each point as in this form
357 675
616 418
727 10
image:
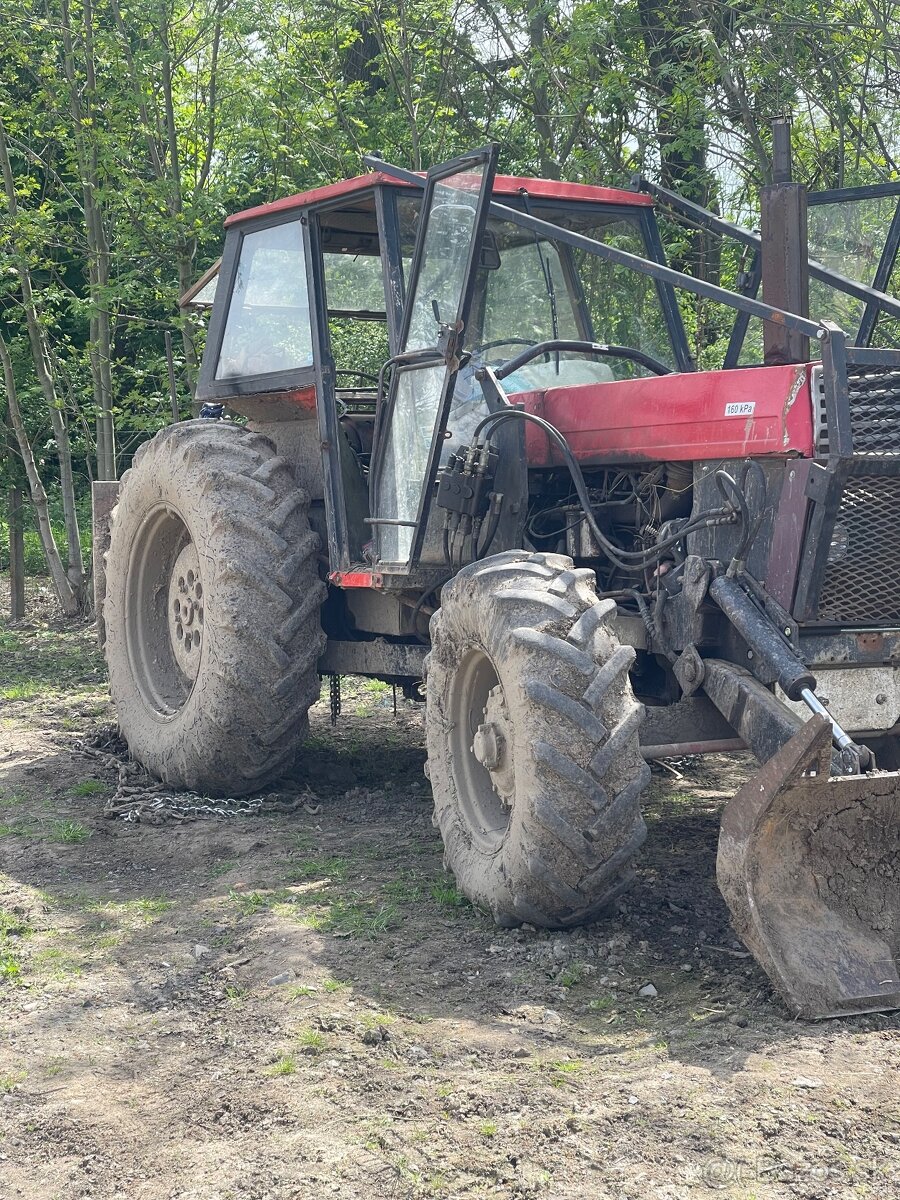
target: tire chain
138 798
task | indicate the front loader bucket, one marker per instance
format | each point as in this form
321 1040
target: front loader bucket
809 866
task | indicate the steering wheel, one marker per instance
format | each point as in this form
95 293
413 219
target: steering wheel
576 346
510 341
360 375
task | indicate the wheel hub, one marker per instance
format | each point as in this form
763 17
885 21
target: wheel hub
186 611
492 745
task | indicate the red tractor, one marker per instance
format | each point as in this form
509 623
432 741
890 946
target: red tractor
591 552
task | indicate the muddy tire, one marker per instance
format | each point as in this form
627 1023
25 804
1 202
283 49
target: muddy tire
532 732
212 609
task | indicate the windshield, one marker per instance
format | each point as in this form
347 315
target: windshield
535 289
532 289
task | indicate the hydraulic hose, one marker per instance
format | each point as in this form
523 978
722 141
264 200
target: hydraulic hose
632 561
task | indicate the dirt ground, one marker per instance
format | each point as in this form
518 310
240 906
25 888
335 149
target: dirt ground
300 1003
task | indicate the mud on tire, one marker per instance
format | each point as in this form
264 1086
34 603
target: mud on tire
532 733
212 608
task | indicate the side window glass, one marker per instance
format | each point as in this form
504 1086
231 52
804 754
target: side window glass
268 329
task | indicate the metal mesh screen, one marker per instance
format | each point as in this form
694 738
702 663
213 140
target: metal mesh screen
862 578
874 410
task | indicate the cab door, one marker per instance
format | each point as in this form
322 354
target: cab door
410 429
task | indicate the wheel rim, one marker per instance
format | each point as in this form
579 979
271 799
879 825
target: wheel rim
165 618
186 614
482 750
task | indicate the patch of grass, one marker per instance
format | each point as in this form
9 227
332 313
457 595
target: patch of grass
57 964
147 907
235 994
10 967
13 800
106 941
359 917
43 661
13 926
488 1128
572 975
100 911
27 689
71 833
376 686
445 892
407 889
222 866
284 1065
311 1041
19 829
250 903
378 1020
335 985
8 1082
369 695
602 1003
564 1071
89 787
334 868
301 992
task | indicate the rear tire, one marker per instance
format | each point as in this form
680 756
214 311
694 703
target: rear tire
212 609
532 734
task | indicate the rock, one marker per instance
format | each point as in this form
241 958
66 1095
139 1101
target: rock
551 1017
803 1081
648 991
278 980
201 952
560 950
521 1052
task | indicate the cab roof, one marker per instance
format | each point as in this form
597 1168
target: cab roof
504 185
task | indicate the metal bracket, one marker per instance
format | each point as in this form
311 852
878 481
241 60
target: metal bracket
689 670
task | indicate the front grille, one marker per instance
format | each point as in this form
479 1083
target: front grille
874 409
862 583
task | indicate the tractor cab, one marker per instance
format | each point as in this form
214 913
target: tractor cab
331 328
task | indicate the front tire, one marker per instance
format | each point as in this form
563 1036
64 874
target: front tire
212 609
532 734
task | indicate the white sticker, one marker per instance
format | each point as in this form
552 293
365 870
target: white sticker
744 409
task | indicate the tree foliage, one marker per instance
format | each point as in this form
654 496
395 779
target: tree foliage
134 128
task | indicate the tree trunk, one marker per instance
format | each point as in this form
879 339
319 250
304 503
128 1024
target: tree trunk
69 598
16 554
41 356
82 104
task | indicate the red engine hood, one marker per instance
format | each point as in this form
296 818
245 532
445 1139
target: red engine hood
752 412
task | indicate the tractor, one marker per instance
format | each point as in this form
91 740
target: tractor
535 513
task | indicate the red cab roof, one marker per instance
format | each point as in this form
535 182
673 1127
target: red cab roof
504 185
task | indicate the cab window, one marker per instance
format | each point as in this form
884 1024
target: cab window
268 328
